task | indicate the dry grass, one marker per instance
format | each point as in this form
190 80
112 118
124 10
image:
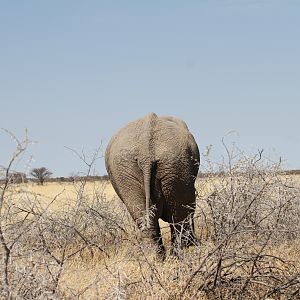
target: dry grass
123 275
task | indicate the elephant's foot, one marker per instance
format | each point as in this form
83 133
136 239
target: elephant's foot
189 240
182 236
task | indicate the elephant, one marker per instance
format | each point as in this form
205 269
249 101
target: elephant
152 164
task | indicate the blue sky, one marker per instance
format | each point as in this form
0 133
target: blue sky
74 72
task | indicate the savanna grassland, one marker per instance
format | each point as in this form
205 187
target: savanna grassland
76 241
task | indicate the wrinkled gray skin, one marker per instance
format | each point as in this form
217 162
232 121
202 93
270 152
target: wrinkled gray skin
153 162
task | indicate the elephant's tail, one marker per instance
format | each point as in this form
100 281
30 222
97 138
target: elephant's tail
147 185
147 158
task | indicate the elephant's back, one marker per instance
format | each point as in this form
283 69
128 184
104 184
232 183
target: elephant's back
133 140
163 139
172 139
122 144
123 141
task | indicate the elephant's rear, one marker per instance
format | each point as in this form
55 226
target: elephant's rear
164 146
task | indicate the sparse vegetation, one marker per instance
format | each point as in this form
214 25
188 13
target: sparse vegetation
79 242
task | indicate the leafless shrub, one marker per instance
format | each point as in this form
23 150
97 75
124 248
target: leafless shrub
38 242
245 213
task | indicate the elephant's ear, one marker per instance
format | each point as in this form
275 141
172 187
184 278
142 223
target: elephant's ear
146 156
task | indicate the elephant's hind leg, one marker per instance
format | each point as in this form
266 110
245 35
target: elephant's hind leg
153 233
156 236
